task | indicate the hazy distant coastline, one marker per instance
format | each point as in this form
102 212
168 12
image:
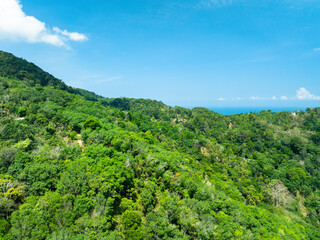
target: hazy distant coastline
238 110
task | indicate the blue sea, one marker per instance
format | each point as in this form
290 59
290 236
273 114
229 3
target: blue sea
238 110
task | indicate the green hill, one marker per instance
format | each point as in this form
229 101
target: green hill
75 165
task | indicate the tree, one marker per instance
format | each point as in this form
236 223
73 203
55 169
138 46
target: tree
131 223
148 197
91 123
278 193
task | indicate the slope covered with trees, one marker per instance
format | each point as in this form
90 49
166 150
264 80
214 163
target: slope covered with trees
75 165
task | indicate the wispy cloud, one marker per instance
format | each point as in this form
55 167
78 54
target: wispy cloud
109 79
74 36
237 99
259 98
304 94
316 49
16 25
212 3
221 99
273 98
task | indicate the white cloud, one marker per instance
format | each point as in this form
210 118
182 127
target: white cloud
316 49
16 25
274 98
221 99
74 36
284 98
304 94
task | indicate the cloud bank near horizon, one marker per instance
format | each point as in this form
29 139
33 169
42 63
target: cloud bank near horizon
301 94
304 94
16 25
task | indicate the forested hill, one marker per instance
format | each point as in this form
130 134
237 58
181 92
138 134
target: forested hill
18 68
75 165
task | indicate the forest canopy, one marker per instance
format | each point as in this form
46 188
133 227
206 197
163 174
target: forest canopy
76 165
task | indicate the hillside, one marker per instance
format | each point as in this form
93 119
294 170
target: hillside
75 165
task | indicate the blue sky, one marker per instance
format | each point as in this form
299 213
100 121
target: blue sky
188 53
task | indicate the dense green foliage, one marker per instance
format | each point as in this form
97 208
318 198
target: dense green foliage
74 165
